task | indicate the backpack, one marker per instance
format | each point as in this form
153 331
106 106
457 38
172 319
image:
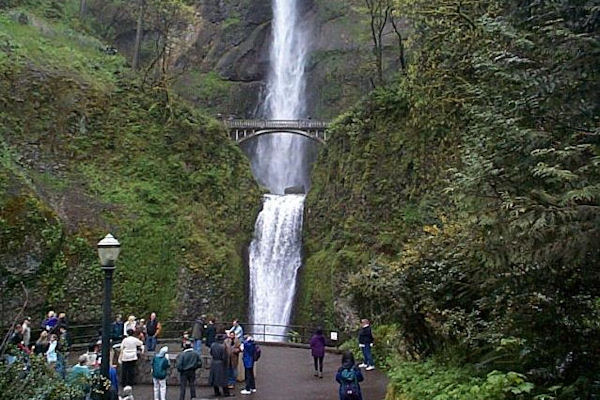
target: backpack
350 390
256 352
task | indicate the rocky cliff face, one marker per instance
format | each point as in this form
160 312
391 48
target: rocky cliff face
223 62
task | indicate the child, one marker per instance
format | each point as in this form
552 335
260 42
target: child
127 393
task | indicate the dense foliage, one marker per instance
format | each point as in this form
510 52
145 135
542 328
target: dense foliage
33 378
87 149
462 202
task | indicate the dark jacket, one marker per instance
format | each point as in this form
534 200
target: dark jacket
198 329
365 336
219 365
211 334
317 345
117 330
338 378
152 327
188 360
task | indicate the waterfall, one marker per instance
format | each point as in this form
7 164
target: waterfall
279 161
275 256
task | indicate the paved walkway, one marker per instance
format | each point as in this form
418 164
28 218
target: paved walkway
287 373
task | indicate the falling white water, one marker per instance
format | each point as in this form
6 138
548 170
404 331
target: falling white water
285 89
275 254
280 161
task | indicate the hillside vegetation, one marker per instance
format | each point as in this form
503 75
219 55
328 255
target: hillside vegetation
459 207
87 149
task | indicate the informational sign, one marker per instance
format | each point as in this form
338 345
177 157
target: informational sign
334 336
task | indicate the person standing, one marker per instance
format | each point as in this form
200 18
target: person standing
41 345
62 321
349 376
238 330
130 324
188 361
219 366
317 348
79 374
365 342
50 323
160 368
211 333
233 349
117 331
248 348
26 329
51 353
153 328
198 333
128 357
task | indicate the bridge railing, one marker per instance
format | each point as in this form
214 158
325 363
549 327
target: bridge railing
275 124
83 335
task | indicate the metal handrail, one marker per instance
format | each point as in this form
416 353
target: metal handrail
277 124
172 330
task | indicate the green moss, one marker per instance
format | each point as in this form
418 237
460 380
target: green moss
88 145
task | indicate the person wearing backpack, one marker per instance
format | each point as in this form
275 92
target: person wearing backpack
160 368
349 376
251 353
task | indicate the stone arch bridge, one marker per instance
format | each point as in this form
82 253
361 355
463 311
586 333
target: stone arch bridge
241 130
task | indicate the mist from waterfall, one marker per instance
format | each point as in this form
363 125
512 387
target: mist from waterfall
279 161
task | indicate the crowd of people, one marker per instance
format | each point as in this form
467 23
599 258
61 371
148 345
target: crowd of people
53 341
232 355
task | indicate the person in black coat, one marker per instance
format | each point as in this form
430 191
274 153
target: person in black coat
218 368
211 333
365 342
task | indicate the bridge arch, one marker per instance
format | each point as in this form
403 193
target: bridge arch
308 135
243 130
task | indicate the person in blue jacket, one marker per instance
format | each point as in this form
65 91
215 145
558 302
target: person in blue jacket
248 348
349 376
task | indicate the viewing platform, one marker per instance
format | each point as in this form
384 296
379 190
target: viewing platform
241 130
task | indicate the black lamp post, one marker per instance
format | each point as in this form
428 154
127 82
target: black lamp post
108 251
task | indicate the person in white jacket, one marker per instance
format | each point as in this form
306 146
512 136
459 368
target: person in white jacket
128 357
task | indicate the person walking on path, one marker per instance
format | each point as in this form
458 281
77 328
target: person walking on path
349 376
317 347
249 348
232 345
128 357
160 367
365 342
219 366
198 333
187 362
153 329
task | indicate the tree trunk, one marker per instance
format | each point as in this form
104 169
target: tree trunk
138 37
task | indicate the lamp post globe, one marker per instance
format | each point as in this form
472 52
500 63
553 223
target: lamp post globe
108 252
